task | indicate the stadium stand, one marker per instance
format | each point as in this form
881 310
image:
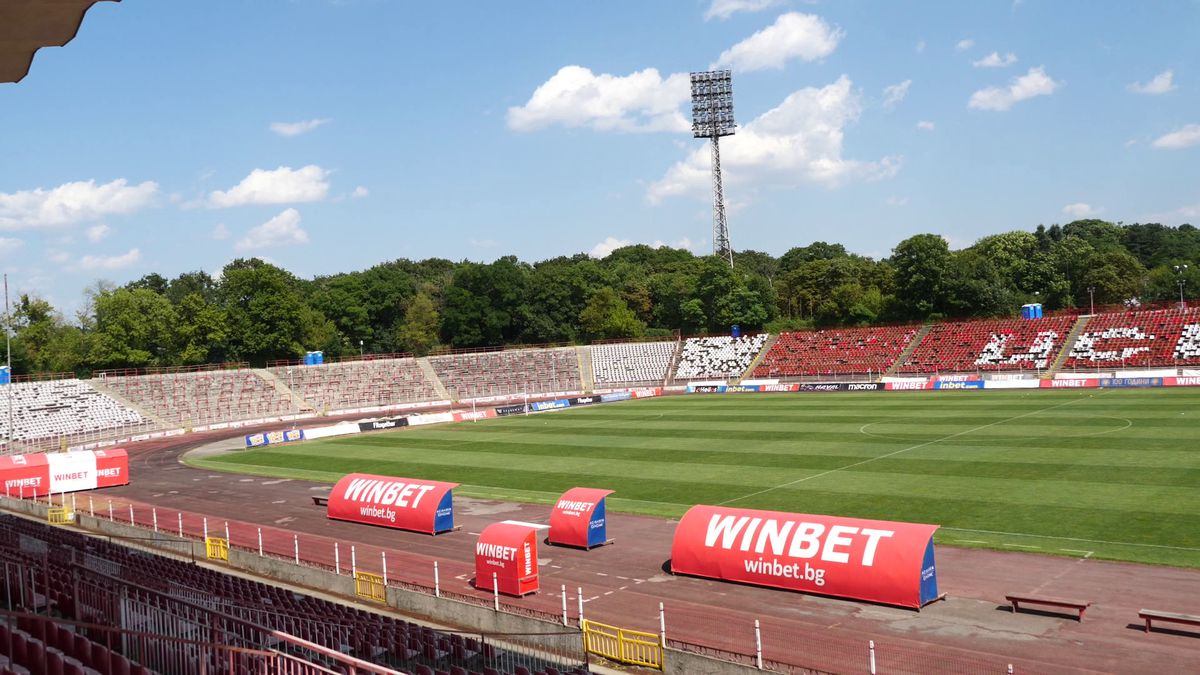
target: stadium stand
358 384
1160 338
103 584
55 408
508 373
632 362
989 344
836 351
199 397
718 356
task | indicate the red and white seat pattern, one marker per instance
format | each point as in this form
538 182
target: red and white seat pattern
835 351
1158 338
996 344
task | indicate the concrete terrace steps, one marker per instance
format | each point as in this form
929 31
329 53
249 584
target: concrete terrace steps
772 338
1067 345
430 374
908 350
301 405
101 386
587 377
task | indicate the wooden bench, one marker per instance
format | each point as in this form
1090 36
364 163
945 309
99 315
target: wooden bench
1080 605
1149 615
320 501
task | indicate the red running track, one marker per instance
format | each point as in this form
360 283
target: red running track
623 584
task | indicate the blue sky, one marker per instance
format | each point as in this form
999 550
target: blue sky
330 135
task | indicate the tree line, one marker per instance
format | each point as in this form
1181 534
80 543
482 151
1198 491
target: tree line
256 312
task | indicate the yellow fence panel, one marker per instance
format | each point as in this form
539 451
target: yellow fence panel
216 548
370 586
626 646
60 515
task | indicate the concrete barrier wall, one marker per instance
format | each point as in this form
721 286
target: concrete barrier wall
442 611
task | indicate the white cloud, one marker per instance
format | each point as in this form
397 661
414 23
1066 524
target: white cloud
610 244
576 97
1081 210
894 94
484 243
607 246
9 245
220 232
1183 137
98 232
1034 83
359 192
1159 84
964 44
723 9
799 141
683 243
995 60
278 186
297 128
1129 143
282 230
57 256
920 47
1183 214
111 262
896 201
75 202
793 35
926 125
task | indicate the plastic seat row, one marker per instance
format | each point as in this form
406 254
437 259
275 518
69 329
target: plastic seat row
720 356
508 373
835 351
991 345
1154 338
632 362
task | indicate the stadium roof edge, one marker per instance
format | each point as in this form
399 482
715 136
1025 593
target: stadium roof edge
29 25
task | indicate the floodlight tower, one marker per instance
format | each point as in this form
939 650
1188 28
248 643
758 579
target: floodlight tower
712 118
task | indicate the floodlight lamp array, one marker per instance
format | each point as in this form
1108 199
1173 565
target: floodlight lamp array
712 104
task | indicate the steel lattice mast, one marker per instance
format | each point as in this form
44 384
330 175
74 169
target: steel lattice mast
712 118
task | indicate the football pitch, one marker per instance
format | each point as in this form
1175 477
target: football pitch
1098 473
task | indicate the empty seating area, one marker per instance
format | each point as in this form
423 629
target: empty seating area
989 345
60 408
836 351
632 362
193 398
137 591
1161 338
358 384
508 373
723 356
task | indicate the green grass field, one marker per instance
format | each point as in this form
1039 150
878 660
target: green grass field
1111 474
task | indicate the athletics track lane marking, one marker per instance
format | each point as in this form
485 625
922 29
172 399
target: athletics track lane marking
897 452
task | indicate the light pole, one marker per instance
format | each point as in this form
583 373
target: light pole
1092 299
1180 270
360 349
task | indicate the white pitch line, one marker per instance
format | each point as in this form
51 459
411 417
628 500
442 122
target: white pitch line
1086 554
1021 546
970 541
897 452
1086 541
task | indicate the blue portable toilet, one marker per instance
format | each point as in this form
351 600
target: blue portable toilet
5 375
735 330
